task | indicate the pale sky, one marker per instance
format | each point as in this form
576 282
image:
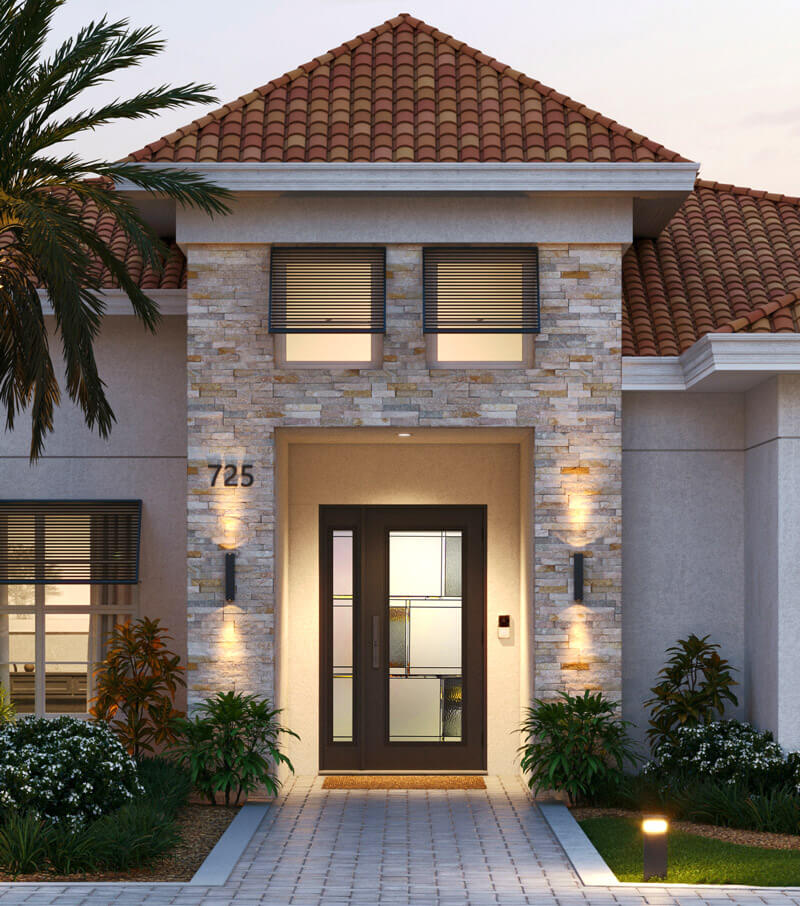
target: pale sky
716 80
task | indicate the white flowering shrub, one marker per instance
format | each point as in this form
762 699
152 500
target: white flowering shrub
728 751
64 770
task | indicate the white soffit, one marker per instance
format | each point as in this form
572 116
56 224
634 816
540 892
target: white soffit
631 178
725 362
170 301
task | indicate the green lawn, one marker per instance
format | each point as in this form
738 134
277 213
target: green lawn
691 859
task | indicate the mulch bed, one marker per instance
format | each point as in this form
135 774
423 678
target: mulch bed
200 827
728 834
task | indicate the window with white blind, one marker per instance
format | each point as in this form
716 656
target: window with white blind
68 575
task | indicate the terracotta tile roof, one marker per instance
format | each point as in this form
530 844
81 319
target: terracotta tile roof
729 260
404 91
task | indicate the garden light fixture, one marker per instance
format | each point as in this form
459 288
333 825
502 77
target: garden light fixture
654 832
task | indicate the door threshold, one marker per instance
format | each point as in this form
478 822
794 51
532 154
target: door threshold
355 773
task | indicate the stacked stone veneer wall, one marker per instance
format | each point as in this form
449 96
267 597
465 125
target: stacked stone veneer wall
571 398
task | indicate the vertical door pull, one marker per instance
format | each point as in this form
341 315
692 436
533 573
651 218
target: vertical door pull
376 654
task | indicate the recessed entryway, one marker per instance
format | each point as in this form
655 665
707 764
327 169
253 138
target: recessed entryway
362 468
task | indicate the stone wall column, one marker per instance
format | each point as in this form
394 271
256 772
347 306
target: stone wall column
229 356
578 471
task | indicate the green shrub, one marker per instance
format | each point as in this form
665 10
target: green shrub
135 834
231 745
165 782
731 805
71 850
7 710
575 744
63 769
694 686
726 750
23 844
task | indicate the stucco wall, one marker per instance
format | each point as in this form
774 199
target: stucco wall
772 556
683 483
145 457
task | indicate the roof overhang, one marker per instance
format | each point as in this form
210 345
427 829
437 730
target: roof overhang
718 363
630 178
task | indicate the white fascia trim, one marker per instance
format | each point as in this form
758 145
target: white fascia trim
439 177
169 301
717 356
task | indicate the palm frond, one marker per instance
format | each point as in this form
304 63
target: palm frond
51 202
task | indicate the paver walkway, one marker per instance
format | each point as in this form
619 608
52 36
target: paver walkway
418 847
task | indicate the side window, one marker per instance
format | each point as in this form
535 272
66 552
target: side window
68 574
481 306
327 306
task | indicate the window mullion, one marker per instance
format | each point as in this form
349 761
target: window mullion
40 650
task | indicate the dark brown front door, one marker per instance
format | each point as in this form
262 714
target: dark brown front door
402 640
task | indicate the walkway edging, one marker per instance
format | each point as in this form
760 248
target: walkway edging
589 865
222 859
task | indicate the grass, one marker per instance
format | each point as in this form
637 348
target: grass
692 859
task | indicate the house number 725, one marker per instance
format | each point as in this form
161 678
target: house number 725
232 475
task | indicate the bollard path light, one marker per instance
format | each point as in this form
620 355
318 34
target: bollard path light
654 831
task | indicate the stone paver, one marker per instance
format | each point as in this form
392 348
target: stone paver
399 848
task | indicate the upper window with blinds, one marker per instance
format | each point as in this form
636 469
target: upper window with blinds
481 305
327 305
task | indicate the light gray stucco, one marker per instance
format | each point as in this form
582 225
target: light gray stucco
683 532
515 218
772 556
145 457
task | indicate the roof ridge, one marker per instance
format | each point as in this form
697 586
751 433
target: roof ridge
717 186
591 115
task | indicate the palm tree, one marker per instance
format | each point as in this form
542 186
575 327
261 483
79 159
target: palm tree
45 241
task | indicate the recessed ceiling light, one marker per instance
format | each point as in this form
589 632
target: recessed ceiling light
404 434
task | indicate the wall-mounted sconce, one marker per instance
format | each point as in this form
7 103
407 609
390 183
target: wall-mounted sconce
577 576
230 576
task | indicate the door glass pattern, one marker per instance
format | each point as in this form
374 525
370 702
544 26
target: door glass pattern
342 636
425 617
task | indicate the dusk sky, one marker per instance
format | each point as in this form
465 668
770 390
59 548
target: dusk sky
716 80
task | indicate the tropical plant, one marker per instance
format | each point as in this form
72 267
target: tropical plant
23 843
136 685
165 782
7 710
693 688
46 241
231 745
63 770
133 835
728 751
575 744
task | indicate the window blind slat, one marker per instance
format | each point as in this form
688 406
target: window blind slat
481 290
327 290
70 542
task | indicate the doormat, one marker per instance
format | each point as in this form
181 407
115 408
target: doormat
403 782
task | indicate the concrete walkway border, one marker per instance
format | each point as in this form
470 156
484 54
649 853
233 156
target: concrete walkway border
593 870
222 859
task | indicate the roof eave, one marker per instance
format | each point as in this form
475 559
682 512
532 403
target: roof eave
646 178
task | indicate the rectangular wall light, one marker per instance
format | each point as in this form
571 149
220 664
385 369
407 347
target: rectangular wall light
230 576
577 576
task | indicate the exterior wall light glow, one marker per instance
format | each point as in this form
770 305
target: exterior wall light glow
654 832
577 576
404 434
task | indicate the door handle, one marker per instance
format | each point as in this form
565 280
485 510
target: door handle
376 651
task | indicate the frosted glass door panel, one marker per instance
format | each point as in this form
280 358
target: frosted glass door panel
342 636
425 610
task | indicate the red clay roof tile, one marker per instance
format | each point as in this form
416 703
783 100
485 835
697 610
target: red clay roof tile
403 62
728 261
